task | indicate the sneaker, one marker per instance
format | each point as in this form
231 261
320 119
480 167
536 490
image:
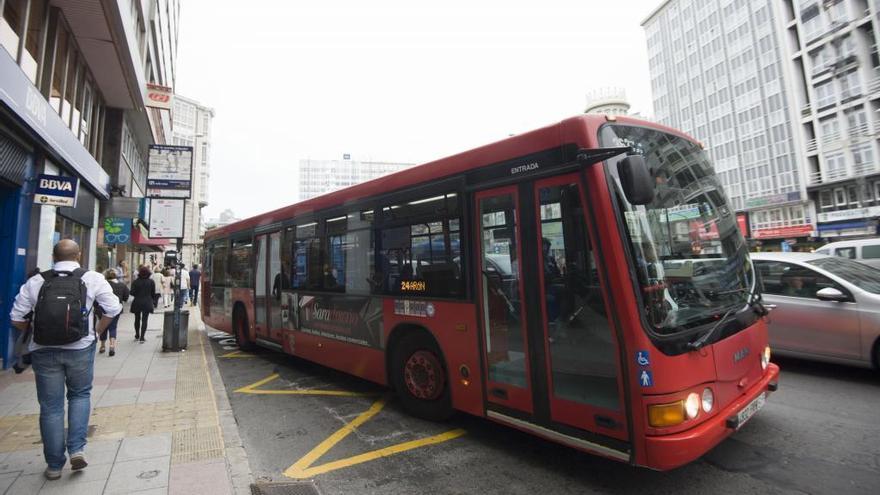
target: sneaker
78 460
112 352
142 341
52 474
102 348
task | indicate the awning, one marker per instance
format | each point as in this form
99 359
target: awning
139 239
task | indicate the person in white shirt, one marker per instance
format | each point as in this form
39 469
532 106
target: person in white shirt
69 364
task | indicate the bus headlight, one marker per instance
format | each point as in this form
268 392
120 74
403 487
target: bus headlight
708 399
692 405
765 358
671 414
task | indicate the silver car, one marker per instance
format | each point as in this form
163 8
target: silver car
827 307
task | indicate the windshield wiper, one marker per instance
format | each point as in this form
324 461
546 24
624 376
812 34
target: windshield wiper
752 302
714 293
700 342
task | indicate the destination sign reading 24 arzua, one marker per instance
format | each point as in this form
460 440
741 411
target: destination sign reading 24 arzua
55 190
170 172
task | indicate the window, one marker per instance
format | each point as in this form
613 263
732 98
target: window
218 265
30 57
839 196
846 252
824 95
852 195
307 257
871 252
826 201
420 250
10 25
240 264
786 279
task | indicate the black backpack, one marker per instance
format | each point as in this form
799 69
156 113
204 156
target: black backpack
60 315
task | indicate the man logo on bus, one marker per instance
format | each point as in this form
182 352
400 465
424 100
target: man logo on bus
646 379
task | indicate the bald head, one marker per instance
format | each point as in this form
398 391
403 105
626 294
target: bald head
66 250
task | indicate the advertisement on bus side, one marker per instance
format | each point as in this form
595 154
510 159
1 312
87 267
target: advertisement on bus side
352 319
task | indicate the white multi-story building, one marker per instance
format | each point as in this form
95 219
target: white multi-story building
192 127
782 93
610 101
832 49
317 177
717 70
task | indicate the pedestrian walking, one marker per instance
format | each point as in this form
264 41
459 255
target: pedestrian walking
157 277
195 277
142 290
184 286
166 288
121 292
63 349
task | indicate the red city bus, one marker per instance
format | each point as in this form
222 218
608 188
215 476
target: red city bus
584 282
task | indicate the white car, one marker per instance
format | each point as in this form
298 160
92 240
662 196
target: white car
865 250
827 307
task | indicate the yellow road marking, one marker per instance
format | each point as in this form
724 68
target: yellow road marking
303 468
237 354
253 388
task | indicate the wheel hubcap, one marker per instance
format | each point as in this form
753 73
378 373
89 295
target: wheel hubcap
423 375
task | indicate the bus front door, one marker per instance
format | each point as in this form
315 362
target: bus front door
550 353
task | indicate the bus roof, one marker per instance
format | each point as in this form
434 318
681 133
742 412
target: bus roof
580 130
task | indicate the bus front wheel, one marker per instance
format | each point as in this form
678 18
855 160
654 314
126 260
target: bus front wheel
419 378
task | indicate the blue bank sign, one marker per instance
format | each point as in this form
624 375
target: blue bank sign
55 190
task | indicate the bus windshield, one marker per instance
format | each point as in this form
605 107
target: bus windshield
691 261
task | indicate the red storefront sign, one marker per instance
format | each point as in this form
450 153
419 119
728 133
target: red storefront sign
742 221
782 232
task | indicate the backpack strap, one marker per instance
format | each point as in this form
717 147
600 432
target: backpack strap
48 274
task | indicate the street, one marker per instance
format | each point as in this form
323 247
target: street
817 434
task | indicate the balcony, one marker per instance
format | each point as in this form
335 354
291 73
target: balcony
811 146
831 137
859 131
874 86
826 176
807 109
867 168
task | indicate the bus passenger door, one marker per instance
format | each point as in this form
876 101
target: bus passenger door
278 281
260 299
500 292
580 351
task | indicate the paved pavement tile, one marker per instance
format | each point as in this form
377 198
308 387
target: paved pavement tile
199 477
65 486
27 485
145 447
142 474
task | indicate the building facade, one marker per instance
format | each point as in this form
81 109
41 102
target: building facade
783 94
718 72
610 101
73 77
832 49
192 127
317 177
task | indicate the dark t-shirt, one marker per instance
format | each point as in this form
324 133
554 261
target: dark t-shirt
194 277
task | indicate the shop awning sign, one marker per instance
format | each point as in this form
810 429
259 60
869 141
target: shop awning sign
117 230
55 190
159 96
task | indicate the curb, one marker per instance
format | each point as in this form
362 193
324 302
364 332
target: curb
237 464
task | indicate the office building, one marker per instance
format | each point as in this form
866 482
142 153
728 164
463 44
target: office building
192 127
718 72
317 177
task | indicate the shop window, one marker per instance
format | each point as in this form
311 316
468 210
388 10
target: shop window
853 195
839 196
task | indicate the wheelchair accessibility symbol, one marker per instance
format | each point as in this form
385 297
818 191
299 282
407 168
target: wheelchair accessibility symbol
642 358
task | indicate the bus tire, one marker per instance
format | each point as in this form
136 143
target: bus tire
240 328
419 377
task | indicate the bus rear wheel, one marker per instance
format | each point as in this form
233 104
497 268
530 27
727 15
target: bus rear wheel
240 327
419 378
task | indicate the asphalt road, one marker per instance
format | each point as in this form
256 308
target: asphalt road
820 433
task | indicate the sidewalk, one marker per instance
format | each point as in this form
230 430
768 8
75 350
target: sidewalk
161 423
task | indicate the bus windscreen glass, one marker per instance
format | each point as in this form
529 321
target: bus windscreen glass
690 258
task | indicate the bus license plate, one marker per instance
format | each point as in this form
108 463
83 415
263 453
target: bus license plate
747 412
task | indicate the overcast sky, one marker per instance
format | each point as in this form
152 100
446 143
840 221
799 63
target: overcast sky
391 80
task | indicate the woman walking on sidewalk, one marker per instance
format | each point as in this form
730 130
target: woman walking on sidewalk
121 291
157 277
166 287
142 291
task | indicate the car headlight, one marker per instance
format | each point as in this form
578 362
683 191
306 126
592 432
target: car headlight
765 358
708 399
692 405
660 415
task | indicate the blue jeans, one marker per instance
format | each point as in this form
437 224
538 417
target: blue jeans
111 329
54 369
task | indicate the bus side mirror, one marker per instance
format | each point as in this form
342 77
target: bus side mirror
638 185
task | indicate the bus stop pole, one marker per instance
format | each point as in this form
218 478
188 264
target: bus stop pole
175 327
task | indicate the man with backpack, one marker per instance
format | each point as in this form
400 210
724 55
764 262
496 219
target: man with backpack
63 348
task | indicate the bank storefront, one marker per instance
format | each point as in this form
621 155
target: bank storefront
35 140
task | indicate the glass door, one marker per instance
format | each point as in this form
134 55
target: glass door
580 352
260 300
506 357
